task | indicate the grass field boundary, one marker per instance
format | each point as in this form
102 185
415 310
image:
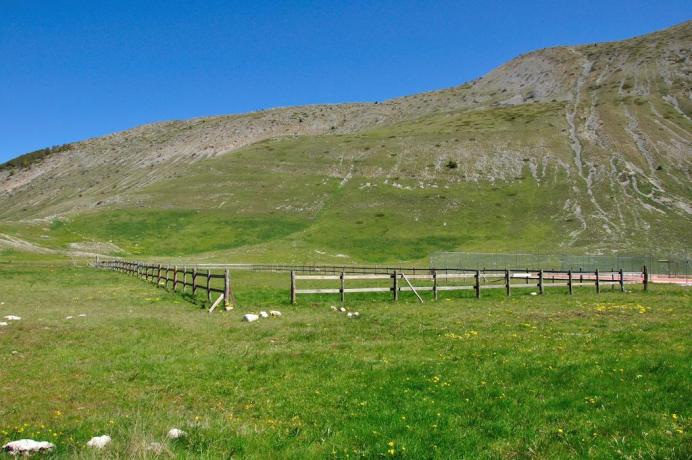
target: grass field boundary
163 275
480 279
428 280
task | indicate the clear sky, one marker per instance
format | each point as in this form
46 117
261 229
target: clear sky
71 69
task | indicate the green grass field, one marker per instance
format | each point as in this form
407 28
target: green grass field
604 376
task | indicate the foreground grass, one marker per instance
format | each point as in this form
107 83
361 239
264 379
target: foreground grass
584 376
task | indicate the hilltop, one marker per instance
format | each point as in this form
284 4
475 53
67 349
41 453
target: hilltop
577 148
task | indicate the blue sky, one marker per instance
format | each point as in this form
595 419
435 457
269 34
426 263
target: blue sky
70 70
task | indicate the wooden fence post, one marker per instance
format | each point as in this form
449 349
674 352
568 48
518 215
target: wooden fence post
208 285
434 287
478 284
194 281
226 288
540 281
646 279
507 282
598 282
622 281
569 281
293 287
184 279
158 277
341 287
175 277
395 285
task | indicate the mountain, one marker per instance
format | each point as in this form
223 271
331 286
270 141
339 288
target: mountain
567 149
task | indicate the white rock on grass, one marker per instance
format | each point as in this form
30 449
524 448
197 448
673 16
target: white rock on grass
27 447
156 448
250 317
534 293
275 313
333 308
99 442
342 309
13 318
175 433
69 317
264 314
82 315
3 323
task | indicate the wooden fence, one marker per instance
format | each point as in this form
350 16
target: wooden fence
398 279
481 279
163 275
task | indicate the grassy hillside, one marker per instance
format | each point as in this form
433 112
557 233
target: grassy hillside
574 149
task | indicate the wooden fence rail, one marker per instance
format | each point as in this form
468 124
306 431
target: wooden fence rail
481 279
163 275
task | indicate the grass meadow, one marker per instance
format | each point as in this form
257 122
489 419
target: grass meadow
554 376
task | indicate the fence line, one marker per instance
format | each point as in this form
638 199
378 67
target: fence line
670 265
159 275
482 279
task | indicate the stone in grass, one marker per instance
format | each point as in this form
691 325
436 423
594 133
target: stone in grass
27 447
333 308
175 433
156 448
69 317
352 315
275 313
342 309
99 442
534 293
250 317
3 323
13 318
264 314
